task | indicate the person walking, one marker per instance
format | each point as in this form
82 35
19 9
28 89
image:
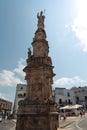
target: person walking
81 113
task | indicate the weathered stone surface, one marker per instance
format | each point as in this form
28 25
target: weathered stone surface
36 114
38 111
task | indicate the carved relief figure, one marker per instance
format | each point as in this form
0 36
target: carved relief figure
29 52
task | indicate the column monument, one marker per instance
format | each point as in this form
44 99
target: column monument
38 110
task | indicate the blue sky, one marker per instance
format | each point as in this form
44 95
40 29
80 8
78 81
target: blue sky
66 29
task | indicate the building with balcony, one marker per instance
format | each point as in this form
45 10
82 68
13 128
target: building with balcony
5 107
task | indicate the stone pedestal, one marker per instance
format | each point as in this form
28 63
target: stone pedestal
37 115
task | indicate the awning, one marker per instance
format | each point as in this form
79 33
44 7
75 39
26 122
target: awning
71 106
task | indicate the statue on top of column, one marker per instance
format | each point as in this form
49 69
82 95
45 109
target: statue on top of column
40 19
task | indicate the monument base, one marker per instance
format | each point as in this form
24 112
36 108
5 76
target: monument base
37 115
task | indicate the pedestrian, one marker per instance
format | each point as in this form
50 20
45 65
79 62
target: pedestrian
81 113
64 117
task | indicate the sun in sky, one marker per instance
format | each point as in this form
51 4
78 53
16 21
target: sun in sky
80 23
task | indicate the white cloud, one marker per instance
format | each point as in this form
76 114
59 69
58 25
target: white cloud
80 23
8 78
19 69
3 96
12 78
66 82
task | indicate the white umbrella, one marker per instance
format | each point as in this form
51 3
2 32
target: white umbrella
66 107
77 106
71 106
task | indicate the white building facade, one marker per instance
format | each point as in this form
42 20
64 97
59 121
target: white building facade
20 95
64 96
81 95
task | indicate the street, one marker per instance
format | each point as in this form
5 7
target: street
83 124
78 125
7 125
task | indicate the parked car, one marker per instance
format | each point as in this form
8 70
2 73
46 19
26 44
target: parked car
0 118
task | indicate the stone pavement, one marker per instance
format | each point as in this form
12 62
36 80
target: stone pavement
69 120
14 120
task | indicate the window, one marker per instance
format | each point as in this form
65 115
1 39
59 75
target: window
24 94
68 94
85 98
77 99
60 101
69 101
21 88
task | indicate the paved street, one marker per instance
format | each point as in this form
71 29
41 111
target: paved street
71 123
83 124
7 125
74 123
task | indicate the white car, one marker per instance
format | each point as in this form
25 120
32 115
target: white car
0 118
